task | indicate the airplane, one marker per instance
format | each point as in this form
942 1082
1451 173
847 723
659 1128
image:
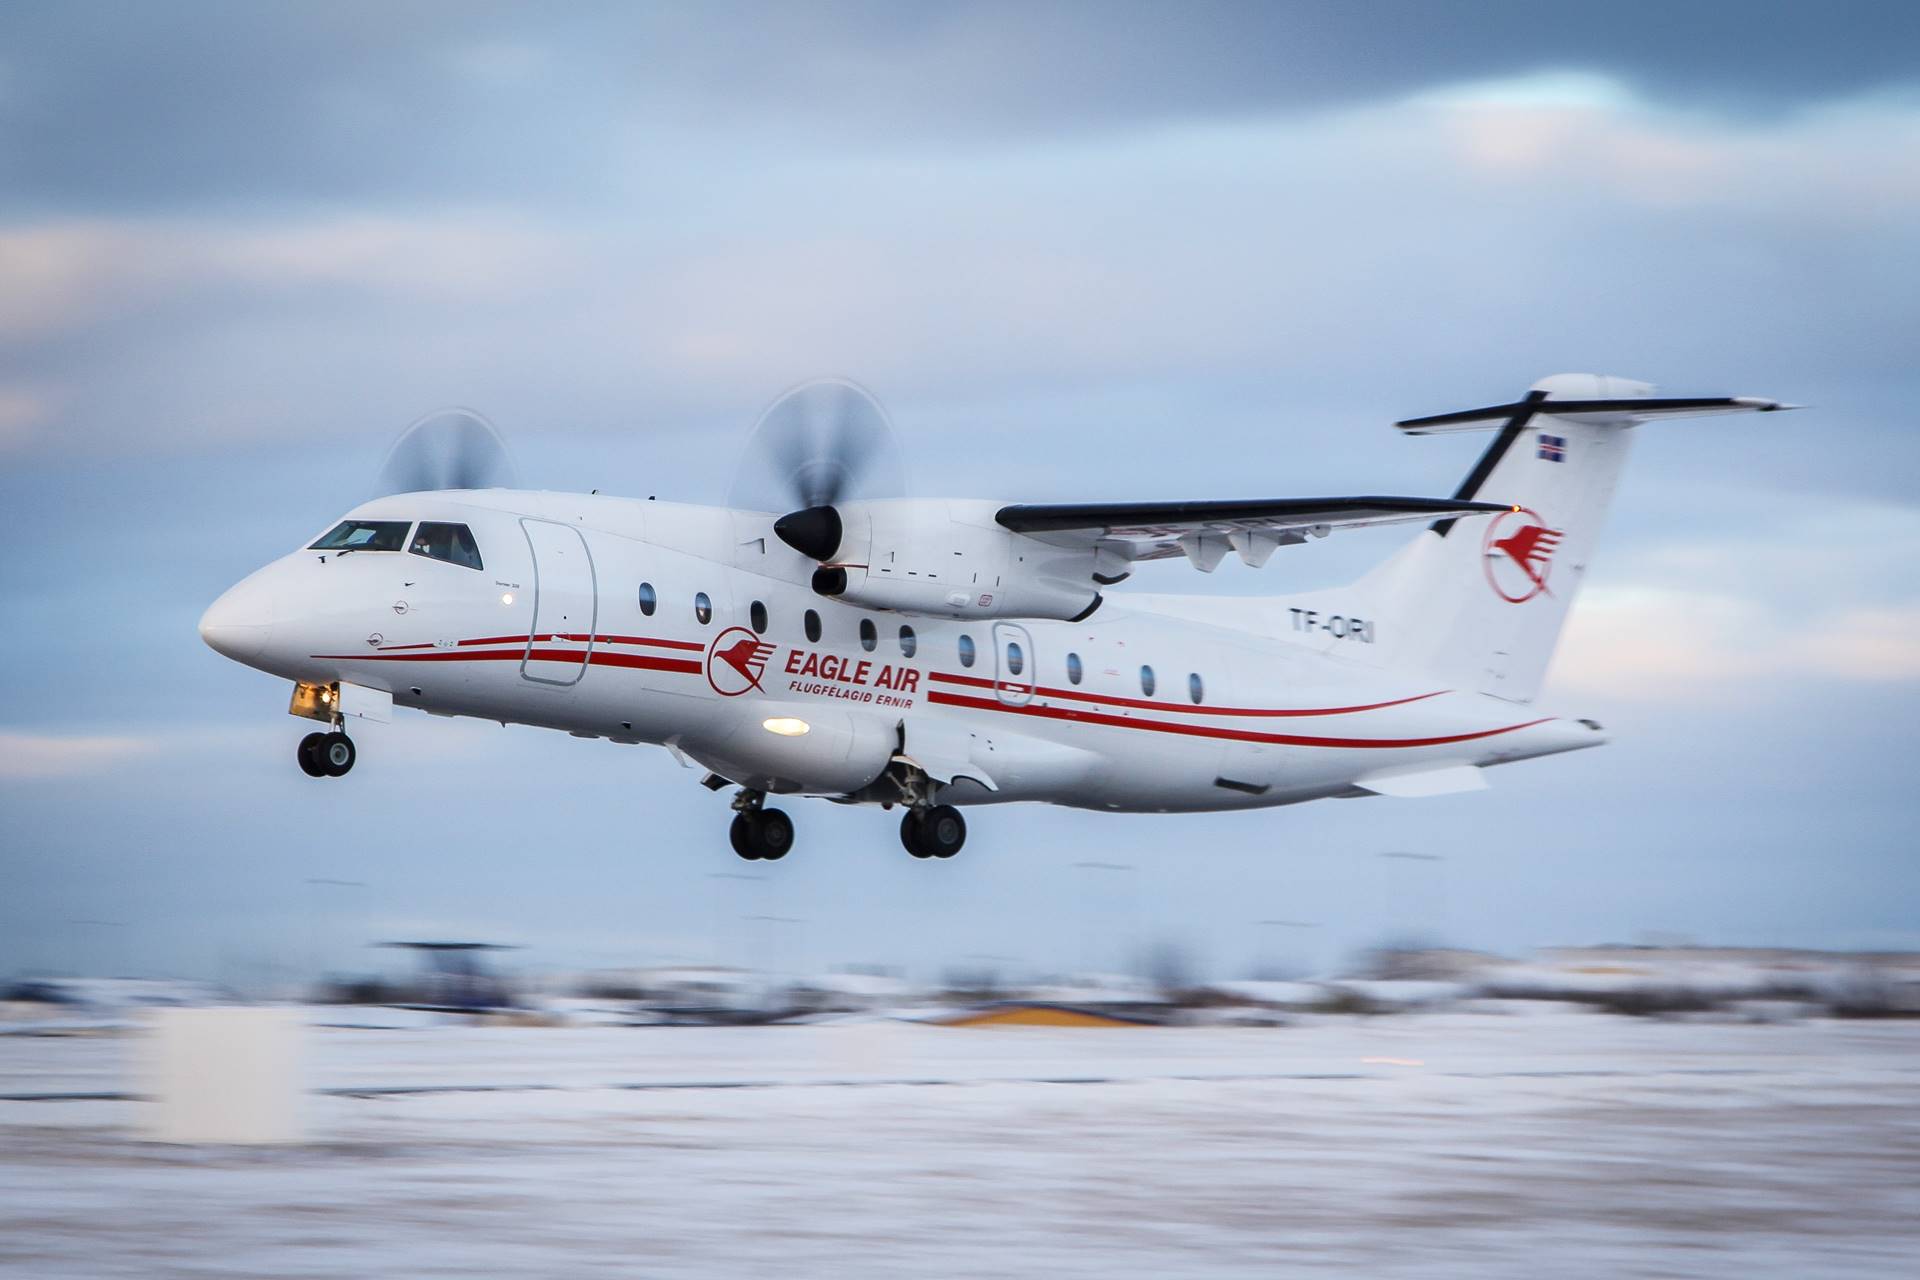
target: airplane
941 654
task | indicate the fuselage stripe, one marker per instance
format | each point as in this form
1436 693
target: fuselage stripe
1211 731
601 658
655 641
1146 704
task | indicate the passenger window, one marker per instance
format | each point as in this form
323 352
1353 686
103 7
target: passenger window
909 643
1016 660
649 600
1074 671
966 651
812 622
702 608
450 542
1146 681
1195 689
757 615
364 535
869 635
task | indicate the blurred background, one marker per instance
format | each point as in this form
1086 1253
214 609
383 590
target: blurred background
1081 252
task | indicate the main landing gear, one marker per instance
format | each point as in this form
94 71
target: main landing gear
759 833
936 831
326 755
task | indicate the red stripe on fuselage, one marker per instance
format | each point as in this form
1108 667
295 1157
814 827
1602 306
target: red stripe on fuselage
602 658
656 641
1212 731
1147 704
693 646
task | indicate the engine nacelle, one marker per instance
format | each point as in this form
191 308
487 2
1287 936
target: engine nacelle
806 747
950 559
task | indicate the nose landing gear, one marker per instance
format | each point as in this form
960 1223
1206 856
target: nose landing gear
936 831
326 755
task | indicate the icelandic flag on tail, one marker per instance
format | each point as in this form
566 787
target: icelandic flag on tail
1553 448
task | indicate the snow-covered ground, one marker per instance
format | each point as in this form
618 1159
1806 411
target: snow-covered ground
1445 1144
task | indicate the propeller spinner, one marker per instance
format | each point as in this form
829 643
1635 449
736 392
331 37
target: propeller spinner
822 443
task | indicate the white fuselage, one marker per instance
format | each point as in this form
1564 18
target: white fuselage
552 631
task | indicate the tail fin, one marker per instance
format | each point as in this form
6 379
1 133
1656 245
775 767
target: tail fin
1479 603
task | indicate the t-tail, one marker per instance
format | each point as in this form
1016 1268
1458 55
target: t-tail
1479 603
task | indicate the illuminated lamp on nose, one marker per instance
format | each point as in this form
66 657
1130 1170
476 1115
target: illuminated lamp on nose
786 726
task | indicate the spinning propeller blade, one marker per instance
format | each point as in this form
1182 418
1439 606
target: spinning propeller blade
824 442
446 449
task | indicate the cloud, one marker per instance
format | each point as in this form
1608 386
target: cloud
56 277
1488 235
1714 620
27 757
23 411
202 105
1590 131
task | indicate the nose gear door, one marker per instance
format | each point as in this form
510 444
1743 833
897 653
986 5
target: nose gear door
565 604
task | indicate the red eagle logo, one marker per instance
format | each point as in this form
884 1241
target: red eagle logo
736 660
1519 555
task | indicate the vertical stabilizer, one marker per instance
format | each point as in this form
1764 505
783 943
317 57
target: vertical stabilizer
1479 603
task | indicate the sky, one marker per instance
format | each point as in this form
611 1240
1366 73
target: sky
1081 252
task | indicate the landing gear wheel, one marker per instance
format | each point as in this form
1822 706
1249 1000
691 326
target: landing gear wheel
761 833
776 834
934 833
337 754
910 834
742 834
308 754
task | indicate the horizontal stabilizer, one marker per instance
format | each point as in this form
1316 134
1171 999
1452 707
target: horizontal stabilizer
1624 410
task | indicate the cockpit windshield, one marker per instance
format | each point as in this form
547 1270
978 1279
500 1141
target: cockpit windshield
450 542
364 535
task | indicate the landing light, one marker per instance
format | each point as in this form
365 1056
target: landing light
507 598
785 726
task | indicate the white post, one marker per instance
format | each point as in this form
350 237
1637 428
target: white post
223 1075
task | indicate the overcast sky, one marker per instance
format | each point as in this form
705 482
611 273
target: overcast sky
1081 252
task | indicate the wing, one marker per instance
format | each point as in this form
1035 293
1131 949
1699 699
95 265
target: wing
1206 531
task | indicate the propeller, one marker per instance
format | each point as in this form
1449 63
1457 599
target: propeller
822 443
446 449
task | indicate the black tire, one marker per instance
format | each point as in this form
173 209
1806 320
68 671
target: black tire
775 831
910 834
744 838
337 754
942 831
308 753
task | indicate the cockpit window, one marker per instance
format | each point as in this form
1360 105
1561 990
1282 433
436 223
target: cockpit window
364 535
450 542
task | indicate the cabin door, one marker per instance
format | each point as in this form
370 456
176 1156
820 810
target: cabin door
565 604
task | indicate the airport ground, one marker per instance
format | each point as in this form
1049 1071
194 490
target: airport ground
1466 1143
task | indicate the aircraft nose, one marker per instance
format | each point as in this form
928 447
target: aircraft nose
239 623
